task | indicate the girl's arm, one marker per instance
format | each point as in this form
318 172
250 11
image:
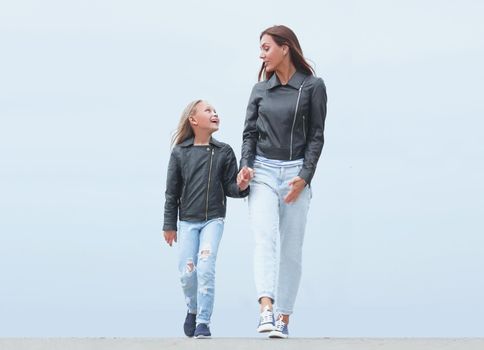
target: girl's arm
170 237
229 178
173 192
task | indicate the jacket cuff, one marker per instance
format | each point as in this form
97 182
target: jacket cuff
307 175
247 163
245 192
170 227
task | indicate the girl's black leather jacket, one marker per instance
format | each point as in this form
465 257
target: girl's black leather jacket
198 181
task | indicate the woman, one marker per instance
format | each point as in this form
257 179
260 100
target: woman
282 141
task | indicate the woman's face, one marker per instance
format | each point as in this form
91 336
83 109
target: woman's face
270 53
206 117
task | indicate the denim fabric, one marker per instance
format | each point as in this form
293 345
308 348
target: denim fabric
198 246
278 230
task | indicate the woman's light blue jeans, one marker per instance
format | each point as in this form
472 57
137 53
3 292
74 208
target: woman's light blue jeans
198 245
278 229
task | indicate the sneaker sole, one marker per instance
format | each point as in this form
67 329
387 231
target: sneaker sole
264 328
203 336
277 334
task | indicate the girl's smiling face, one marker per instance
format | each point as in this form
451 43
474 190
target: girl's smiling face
205 117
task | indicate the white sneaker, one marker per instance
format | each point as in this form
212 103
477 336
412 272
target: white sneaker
266 321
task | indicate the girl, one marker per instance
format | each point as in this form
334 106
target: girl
201 173
282 142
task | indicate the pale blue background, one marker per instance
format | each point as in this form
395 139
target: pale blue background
90 92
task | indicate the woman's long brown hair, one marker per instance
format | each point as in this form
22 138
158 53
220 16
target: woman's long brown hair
283 35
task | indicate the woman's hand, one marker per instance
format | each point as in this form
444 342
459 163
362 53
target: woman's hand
170 237
244 176
296 185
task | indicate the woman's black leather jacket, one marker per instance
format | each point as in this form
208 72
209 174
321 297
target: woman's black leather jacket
286 122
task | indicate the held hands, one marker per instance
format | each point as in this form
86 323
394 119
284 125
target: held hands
244 176
296 185
170 237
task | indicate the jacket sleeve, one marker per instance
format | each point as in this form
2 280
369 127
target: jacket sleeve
230 171
174 185
315 140
250 134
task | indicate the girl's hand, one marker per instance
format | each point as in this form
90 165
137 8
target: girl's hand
297 184
243 178
170 236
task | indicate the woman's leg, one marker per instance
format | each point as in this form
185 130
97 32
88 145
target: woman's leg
292 228
264 223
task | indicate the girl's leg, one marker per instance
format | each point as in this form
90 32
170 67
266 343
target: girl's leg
210 236
188 242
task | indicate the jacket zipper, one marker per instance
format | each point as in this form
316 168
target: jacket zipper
304 127
208 185
294 121
223 195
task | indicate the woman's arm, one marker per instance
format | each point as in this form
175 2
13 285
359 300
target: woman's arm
315 140
250 134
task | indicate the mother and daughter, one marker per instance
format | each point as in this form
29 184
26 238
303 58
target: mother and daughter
282 141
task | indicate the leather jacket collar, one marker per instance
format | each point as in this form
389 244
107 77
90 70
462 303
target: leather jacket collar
189 142
295 81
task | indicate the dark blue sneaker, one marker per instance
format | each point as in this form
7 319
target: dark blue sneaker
202 331
281 330
189 325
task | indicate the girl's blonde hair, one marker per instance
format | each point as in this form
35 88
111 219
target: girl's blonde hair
184 130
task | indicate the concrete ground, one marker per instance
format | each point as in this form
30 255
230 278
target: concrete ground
242 343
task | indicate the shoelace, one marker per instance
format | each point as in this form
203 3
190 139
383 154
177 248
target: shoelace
280 324
266 316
